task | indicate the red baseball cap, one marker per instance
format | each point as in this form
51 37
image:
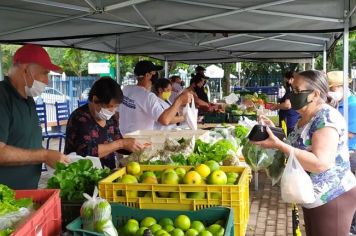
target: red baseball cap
31 53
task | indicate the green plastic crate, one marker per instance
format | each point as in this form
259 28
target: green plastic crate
121 214
214 118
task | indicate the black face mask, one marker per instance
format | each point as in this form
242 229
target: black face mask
299 100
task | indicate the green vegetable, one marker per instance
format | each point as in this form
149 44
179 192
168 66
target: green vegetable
217 152
241 132
77 178
275 170
8 203
179 159
6 232
256 157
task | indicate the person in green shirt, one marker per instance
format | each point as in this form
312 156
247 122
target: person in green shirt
21 152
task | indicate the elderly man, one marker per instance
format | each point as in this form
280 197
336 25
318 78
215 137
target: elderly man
21 152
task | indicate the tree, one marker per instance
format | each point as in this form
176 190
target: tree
8 52
226 82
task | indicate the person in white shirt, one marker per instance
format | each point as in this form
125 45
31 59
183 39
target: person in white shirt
163 90
140 107
177 87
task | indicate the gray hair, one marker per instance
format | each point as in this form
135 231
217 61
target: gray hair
316 80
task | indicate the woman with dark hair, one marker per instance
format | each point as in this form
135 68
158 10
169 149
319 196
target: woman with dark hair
286 112
195 83
163 90
320 145
93 129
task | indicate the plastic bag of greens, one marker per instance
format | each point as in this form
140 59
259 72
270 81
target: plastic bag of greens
87 210
11 219
257 157
275 170
96 215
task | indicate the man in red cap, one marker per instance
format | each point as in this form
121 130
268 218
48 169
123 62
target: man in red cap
21 152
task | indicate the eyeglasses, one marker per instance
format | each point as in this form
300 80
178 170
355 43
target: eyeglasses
302 91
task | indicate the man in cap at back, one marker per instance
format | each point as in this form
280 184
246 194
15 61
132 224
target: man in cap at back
21 152
335 80
140 107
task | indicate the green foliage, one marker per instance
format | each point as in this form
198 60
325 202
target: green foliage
77 178
336 55
8 203
217 152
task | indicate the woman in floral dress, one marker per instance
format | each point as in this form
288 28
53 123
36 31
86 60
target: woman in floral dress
93 129
320 142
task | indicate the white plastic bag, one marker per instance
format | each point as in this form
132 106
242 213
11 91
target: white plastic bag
296 185
191 115
96 215
12 219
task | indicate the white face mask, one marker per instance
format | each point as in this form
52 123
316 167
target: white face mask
337 96
105 114
37 88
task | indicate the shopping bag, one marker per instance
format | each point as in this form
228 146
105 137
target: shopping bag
191 115
296 185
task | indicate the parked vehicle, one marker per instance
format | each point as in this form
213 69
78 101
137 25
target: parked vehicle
85 94
51 95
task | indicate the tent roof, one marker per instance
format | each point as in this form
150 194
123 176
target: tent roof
167 29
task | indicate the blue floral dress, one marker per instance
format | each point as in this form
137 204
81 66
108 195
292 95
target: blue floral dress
338 179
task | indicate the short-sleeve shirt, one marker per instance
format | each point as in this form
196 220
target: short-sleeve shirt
290 115
338 179
19 127
84 134
158 126
352 118
139 110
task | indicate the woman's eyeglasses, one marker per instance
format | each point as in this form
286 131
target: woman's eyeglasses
302 91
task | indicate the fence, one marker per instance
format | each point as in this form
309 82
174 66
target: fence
74 88
60 89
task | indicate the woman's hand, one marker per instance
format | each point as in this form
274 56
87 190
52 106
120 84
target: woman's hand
132 145
265 121
271 142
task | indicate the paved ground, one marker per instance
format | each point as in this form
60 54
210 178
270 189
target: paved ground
269 216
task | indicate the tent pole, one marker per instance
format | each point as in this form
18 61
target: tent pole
313 63
1 71
324 58
346 66
118 69
166 69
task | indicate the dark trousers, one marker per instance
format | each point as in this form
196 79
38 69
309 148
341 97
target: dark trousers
353 169
333 218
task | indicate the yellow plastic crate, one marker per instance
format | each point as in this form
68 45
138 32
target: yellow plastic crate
234 196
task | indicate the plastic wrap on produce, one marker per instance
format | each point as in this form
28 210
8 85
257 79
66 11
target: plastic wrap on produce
11 219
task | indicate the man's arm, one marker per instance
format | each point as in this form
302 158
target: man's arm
11 156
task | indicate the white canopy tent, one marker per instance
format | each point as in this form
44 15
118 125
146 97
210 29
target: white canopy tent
191 31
